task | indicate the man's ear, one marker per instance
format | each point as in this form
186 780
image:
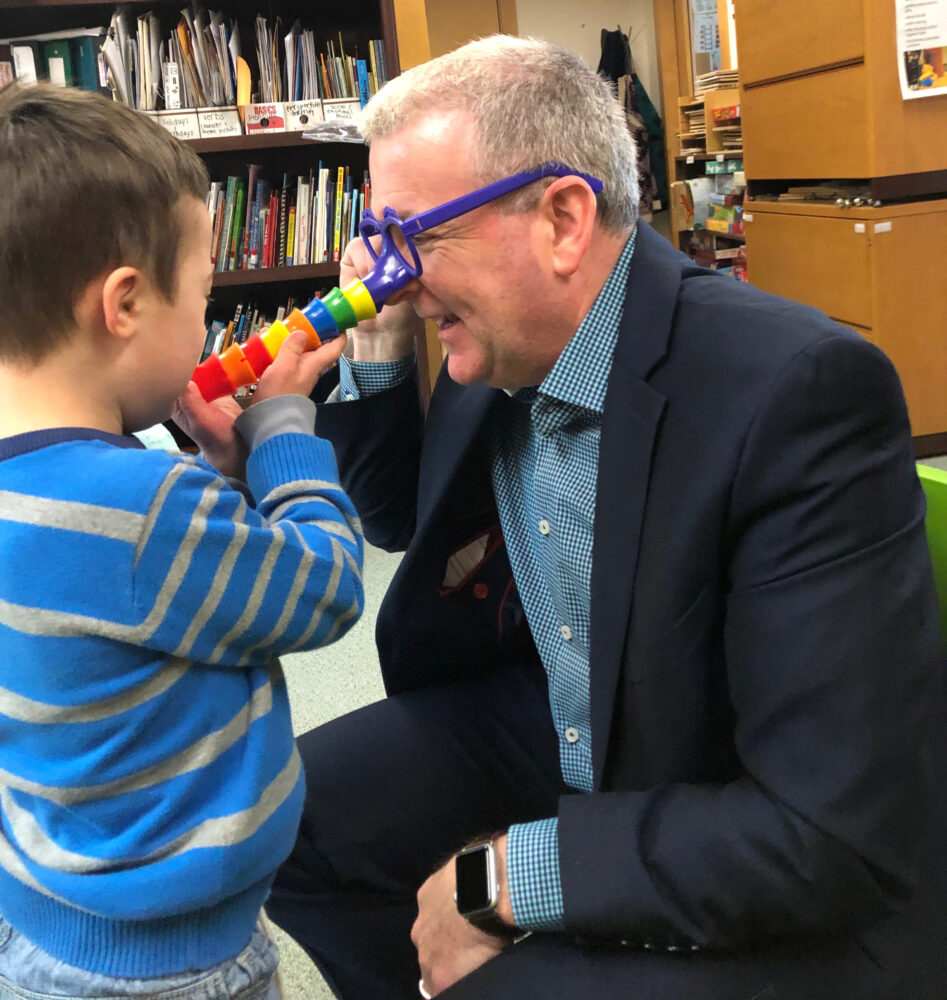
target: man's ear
569 208
123 299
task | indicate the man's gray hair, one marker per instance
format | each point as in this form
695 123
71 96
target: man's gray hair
532 103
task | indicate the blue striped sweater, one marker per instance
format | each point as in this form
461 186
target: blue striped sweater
149 781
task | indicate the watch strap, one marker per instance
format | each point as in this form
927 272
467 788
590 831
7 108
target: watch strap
490 923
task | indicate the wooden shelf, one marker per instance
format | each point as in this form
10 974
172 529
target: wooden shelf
267 275
729 154
266 140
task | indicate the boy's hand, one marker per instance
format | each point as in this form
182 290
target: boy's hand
210 426
295 370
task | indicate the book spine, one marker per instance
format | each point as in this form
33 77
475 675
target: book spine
283 220
337 232
236 241
291 236
227 227
363 91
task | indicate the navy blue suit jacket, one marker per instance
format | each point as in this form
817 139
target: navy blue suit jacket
764 640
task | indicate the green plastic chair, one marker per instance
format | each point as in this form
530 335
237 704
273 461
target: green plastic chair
934 482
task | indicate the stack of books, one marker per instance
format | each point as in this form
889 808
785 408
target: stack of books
720 79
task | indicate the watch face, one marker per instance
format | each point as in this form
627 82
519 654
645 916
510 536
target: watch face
475 880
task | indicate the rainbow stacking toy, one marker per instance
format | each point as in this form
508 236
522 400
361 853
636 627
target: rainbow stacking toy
321 320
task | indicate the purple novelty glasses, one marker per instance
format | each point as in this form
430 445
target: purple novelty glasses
397 235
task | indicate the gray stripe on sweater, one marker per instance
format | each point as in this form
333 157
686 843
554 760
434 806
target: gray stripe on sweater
255 600
219 831
70 515
23 709
45 621
292 598
339 556
199 754
219 584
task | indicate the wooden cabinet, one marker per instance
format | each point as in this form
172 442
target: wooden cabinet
879 270
821 98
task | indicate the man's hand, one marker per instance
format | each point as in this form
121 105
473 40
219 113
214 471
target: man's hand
210 427
449 947
393 334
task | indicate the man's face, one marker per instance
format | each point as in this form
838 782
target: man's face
482 281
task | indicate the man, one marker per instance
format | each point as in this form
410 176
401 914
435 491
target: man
663 646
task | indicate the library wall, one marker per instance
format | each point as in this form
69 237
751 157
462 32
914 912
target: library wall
579 26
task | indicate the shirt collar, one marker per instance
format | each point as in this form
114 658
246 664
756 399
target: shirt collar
21 444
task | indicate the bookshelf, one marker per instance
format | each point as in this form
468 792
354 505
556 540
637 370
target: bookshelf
412 30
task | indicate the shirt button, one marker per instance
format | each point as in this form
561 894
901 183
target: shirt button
572 735
566 632
544 527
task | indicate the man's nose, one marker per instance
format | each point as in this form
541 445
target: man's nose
406 294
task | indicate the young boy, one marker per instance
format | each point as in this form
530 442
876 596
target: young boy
149 782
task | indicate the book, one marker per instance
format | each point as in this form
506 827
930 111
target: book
337 229
290 234
236 242
27 61
283 222
6 65
218 224
363 89
223 245
253 174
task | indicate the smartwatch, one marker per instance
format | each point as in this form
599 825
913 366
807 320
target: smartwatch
478 889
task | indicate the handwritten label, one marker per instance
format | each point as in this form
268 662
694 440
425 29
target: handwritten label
265 117
341 110
217 122
301 115
720 157
181 124
690 159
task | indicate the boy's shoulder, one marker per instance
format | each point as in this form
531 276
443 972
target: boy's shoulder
90 467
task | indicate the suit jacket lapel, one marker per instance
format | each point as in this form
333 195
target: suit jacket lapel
630 428
455 419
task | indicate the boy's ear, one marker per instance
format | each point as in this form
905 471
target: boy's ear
123 298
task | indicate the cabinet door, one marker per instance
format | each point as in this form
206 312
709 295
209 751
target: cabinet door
809 126
789 37
822 262
909 297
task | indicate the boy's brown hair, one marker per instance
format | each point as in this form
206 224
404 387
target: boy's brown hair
86 185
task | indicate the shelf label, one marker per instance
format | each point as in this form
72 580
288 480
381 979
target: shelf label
181 124
747 216
301 115
721 157
859 227
343 109
265 117
882 227
217 122
690 159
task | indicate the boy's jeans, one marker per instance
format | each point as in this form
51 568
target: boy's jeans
29 973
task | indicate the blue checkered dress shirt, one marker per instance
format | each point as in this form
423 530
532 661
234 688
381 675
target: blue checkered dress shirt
552 439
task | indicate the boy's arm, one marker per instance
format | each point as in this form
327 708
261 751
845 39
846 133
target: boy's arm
219 581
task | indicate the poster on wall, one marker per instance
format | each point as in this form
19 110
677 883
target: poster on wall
922 47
